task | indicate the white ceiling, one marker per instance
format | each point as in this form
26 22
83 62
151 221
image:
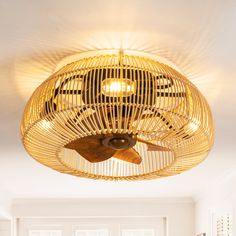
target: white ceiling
198 36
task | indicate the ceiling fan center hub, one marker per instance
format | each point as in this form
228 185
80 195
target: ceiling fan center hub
119 142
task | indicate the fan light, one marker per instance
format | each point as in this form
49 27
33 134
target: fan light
118 87
117 116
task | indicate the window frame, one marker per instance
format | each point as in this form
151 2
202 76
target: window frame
68 226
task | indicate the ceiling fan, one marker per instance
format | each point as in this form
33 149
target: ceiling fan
117 106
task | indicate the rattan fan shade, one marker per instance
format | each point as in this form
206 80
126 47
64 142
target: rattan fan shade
118 93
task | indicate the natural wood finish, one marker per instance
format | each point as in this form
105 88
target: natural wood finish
91 148
129 155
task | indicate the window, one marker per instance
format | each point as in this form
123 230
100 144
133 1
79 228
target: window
103 226
93 232
224 225
45 233
138 232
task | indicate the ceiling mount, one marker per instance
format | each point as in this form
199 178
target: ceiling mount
107 105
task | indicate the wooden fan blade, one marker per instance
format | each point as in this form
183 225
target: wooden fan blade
152 146
91 148
129 155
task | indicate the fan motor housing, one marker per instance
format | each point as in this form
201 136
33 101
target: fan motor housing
119 141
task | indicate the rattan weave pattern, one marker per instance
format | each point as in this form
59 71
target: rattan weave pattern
159 104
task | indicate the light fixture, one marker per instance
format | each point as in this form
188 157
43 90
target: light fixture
117 87
119 116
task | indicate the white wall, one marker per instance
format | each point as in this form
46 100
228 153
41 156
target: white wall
5 204
5 228
5 212
219 199
179 212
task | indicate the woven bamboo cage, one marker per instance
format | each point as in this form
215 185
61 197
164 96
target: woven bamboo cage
118 93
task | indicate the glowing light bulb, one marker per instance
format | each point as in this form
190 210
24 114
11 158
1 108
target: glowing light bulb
118 87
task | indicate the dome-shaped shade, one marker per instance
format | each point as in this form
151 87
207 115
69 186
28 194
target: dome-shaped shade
162 114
